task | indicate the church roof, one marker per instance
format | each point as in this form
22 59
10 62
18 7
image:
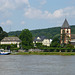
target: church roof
65 24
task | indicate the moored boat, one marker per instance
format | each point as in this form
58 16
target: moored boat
2 52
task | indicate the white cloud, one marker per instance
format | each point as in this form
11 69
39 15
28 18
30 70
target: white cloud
7 7
12 4
2 23
43 2
58 13
37 13
8 22
33 13
23 22
6 4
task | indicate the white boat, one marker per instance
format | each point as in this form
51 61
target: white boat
2 52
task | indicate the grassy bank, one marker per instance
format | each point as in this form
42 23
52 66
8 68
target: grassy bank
44 53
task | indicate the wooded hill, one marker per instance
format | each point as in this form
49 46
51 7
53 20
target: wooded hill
48 32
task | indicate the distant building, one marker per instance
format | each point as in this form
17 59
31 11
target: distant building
43 40
11 40
73 39
65 33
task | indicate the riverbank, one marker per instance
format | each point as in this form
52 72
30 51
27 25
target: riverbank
44 53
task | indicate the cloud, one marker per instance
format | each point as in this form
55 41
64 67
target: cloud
8 22
12 4
33 13
23 22
2 23
6 4
43 2
58 13
38 14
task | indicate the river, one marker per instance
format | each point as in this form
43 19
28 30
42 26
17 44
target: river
37 65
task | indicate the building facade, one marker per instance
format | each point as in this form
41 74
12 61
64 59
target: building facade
11 40
43 40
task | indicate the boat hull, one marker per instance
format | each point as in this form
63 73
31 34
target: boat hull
4 53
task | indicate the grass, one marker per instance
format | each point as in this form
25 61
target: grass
45 53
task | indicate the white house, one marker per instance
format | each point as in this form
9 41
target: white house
43 40
11 40
46 42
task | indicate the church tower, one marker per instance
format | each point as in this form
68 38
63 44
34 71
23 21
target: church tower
65 33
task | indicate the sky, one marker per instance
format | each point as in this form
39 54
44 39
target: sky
16 15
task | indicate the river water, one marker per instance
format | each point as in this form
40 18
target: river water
37 65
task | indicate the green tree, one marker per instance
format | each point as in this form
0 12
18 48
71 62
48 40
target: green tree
57 36
39 45
55 43
26 37
69 46
2 34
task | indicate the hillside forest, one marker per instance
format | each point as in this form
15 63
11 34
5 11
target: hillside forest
50 33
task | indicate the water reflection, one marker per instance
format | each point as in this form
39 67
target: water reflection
37 65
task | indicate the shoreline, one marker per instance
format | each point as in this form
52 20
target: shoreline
44 53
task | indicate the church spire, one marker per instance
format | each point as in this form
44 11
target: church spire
65 24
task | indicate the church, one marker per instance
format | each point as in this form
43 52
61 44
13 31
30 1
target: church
66 35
